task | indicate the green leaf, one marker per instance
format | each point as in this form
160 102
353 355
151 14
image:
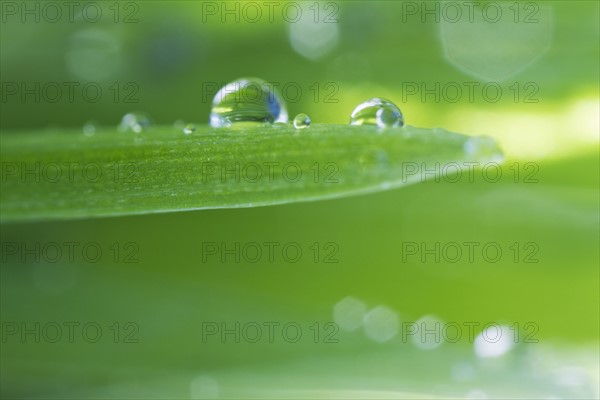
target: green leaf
65 174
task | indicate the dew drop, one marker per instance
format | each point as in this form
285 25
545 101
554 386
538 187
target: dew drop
483 146
89 128
376 111
301 121
247 100
189 128
134 122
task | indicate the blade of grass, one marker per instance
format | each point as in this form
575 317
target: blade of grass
64 174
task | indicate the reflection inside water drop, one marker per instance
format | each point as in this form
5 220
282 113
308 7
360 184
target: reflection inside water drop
247 100
301 121
376 111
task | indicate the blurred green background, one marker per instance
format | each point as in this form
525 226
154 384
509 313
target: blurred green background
169 57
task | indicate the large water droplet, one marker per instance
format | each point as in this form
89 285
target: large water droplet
247 100
377 111
301 121
189 128
134 122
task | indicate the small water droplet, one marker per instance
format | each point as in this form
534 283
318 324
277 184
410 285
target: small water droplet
376 111
247 100
301 121
89 128
483 146
134 122
189 128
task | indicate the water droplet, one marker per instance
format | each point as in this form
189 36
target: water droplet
89 128
247 100
189 128
483 146
301 121
376 111
134 122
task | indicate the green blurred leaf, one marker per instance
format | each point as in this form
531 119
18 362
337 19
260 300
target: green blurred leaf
65 174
